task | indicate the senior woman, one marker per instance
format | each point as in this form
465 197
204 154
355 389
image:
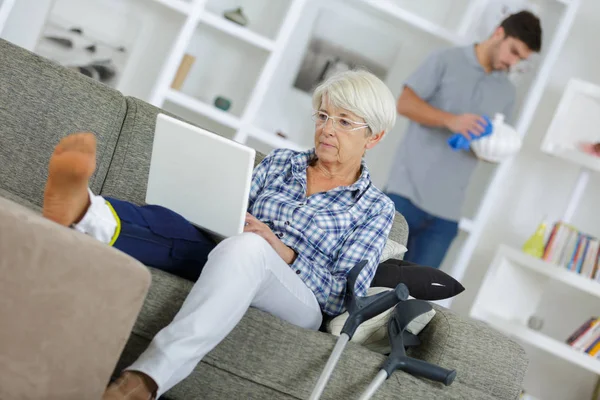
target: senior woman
311 217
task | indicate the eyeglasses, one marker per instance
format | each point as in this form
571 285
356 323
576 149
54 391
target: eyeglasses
344 124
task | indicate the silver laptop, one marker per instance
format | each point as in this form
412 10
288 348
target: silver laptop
200 175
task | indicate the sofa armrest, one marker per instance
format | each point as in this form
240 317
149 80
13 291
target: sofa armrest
67 307
484 358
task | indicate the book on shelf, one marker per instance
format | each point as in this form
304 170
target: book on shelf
587 337
574 250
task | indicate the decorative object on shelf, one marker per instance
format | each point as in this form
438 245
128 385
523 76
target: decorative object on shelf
535 245
590 148
536 323
330 50
323 59
81 52
222 103
502 144
184 68
72 39
281 134
237 16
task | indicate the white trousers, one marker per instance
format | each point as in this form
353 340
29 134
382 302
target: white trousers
242 271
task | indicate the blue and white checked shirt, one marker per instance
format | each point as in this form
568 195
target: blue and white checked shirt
331 231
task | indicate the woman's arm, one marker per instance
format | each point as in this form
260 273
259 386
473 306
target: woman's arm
259 178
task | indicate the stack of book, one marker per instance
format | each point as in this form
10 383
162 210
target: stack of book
587 337
574 250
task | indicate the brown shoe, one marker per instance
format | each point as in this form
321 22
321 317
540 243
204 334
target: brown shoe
129 386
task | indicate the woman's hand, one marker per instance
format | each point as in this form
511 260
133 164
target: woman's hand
255 226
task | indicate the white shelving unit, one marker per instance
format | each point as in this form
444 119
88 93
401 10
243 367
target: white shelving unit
511 294
516 284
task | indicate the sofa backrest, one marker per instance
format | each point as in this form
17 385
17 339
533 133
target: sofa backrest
40 103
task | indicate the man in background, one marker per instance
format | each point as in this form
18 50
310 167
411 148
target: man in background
450 93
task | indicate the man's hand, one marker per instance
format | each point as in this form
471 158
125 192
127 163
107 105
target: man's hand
255 226
466 124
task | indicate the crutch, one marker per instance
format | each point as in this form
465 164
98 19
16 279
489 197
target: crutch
404 313
360 309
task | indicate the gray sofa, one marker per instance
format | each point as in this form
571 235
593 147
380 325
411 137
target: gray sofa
264 357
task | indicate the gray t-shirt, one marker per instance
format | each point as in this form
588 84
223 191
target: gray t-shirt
425 169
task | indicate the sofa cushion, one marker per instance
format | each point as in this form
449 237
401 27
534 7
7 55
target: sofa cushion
287 359
45 102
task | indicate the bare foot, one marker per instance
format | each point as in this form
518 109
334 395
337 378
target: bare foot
131 385
72 164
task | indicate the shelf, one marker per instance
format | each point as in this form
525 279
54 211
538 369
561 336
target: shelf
550 270
202 108
264 17
273 140
466 225
574 156
237 31
177 5
577 112
195 118
541 341
224 66
415 20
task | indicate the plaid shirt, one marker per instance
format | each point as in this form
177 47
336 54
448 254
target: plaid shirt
331 231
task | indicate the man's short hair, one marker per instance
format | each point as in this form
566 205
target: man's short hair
524 26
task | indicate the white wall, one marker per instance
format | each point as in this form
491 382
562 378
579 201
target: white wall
25 22
539 185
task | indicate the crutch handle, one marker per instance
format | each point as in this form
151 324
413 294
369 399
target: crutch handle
420 368
362 309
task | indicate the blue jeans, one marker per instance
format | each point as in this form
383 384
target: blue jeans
162 239
429 237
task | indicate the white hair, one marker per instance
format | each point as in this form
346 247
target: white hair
361 93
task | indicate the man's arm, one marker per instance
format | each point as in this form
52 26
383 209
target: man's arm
418 110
